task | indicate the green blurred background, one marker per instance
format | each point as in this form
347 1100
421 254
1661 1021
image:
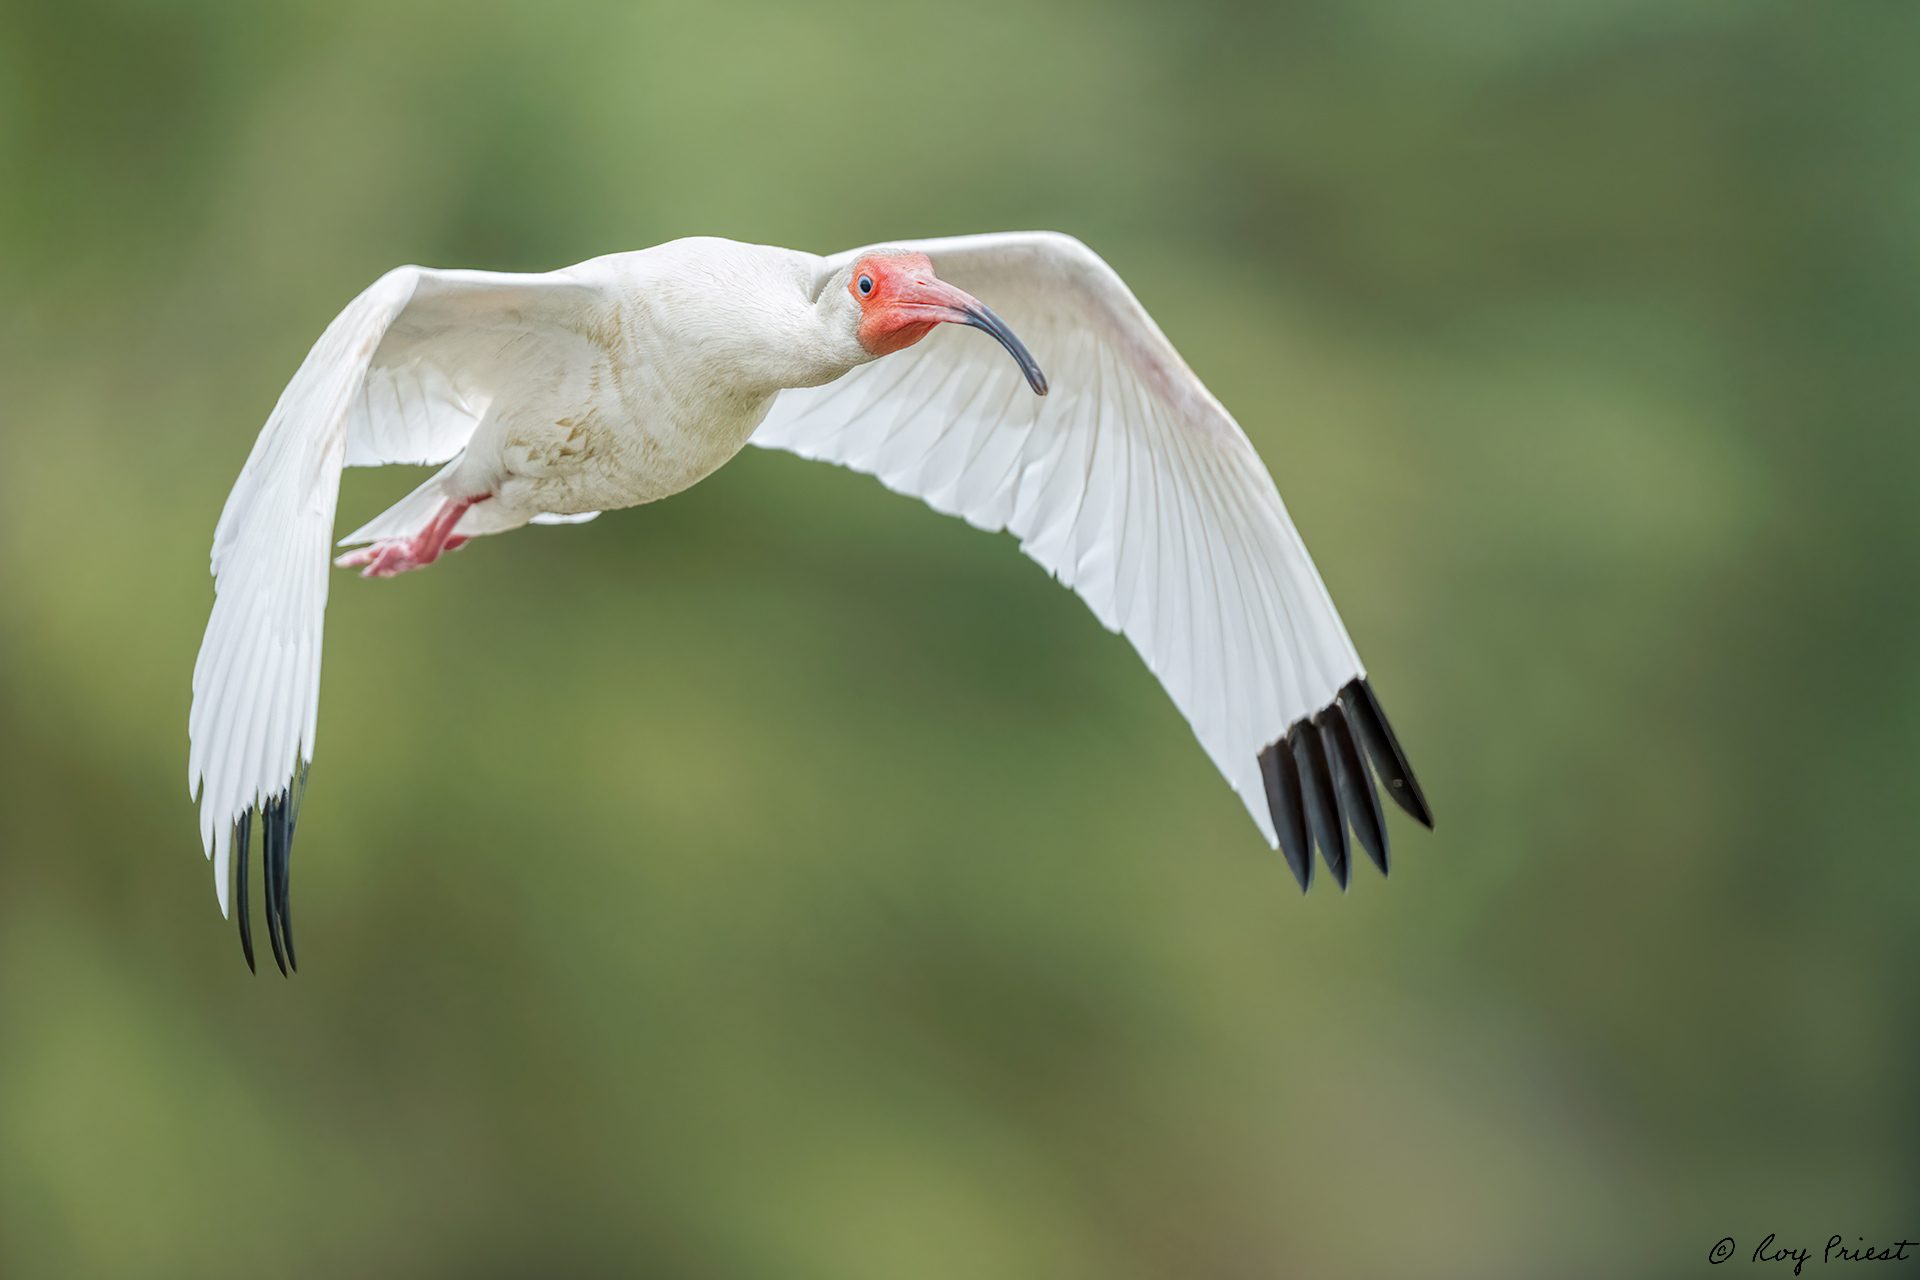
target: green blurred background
785 881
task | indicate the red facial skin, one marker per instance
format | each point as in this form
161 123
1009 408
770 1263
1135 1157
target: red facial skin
903 300
906 302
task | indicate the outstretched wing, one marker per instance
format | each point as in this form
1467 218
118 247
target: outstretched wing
402 375
1133 486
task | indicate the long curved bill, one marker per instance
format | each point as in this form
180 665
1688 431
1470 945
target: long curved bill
957 306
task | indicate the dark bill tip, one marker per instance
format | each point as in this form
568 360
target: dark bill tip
981 316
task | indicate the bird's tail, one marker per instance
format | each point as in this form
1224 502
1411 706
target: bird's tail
409 515
412 514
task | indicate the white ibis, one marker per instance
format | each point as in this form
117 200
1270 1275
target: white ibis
625 379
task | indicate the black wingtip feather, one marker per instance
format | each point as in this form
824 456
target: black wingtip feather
1323 806
242 837
286 878
278 814
1289 819
1359 803
1389 760
273 863
1319 783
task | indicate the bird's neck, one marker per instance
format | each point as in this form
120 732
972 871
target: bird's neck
816 362
785 339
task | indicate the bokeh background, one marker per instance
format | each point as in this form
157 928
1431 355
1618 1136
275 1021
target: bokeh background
785 881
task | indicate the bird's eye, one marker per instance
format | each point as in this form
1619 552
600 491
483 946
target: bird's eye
866 285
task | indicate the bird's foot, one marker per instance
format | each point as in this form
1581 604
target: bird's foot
385 559
397 555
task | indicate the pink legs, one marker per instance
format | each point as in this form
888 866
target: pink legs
397 555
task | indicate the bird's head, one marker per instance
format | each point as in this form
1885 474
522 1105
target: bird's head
898 301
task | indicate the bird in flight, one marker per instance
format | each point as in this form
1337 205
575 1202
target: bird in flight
625 379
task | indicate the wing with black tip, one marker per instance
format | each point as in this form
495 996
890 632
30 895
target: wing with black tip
1135 488
400 375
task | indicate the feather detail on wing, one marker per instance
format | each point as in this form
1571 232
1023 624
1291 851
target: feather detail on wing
401 375
1134 487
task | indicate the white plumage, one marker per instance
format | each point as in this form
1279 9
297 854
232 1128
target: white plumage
1129 482
628 378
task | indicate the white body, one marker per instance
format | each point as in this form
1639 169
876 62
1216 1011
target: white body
628 378
647 382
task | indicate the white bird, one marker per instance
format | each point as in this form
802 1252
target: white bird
625 379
